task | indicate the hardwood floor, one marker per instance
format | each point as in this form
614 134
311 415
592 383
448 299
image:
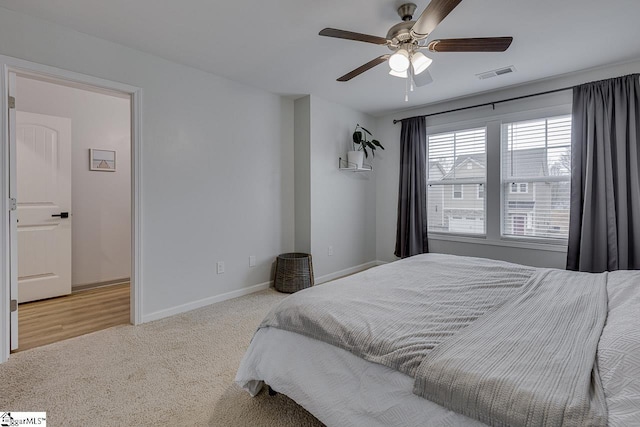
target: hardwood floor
56 319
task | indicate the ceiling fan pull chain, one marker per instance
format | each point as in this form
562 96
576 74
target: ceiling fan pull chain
406 88
410 77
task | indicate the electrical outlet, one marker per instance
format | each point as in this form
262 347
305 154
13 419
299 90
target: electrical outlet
220 267
330 251
252 261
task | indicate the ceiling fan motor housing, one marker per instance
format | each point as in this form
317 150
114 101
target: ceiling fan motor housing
400 33
406 11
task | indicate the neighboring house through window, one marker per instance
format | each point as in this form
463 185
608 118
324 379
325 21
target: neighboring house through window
457 168
536 170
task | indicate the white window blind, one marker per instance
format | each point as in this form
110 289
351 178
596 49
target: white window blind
536 175
456 178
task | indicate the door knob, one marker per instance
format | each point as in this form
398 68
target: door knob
62 215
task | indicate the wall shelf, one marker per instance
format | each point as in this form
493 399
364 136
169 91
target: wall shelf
344 165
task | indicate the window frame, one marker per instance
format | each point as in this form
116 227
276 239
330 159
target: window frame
453 128
530 109
526 180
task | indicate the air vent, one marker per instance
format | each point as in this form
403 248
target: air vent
498 72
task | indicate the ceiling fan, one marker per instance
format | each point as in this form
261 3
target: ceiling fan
408 38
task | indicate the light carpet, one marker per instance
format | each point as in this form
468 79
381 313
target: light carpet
178 371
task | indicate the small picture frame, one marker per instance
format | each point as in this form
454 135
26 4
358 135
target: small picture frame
102 160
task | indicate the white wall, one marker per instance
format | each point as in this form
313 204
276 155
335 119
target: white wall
387 177
217 164
101 201
343 204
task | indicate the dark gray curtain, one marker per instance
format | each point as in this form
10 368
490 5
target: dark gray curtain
604 229
411 233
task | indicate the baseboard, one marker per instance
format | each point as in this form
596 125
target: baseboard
203 302
246 291
347 272
87 286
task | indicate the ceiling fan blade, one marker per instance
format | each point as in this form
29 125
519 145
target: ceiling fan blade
349 35
480 44
361 69
434 13
423 79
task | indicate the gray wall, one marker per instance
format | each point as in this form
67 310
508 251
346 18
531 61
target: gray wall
333 208
217 164
302 156
343 213
219 169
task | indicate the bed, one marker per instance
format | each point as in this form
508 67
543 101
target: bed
442 340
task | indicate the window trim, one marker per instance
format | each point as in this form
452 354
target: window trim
508 242
550 114
493 200
460 181
478 192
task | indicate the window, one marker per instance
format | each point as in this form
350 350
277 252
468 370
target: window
457 191
457 164
536 174
522 187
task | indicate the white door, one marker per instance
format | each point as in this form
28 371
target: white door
43 171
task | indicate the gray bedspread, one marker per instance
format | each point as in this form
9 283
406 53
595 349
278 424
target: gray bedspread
503 343
530 362
396 313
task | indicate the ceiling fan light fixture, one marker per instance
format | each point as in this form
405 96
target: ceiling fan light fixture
401 74
399 61
420 62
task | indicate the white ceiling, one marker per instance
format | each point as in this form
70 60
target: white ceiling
274 45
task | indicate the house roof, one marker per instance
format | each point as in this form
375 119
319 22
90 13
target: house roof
530 162
477 159
436 165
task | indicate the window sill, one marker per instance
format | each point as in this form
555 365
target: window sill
543 245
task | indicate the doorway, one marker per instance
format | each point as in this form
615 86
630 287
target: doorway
21 261
73 178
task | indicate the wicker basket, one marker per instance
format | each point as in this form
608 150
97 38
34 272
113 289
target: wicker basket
294 272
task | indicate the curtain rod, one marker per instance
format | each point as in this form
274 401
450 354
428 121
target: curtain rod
486 104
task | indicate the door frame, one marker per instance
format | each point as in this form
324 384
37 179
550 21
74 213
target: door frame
9 64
